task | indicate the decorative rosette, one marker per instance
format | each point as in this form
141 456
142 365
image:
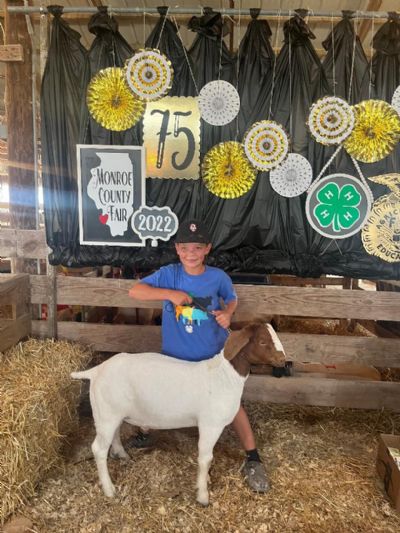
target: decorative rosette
396 99
149 74
227 172
266 144
111 103
292 177
376 131
381 233
331 120
219 102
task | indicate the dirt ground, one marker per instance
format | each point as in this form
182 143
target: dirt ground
321 464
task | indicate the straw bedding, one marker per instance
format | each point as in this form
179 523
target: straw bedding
37 409
321 464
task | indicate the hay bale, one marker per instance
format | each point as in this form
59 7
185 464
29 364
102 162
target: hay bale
37 410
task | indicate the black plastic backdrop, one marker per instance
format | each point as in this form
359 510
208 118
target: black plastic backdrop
260 232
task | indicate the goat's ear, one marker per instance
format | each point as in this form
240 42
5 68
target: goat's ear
235 342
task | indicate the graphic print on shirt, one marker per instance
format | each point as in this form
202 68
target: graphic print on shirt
192 315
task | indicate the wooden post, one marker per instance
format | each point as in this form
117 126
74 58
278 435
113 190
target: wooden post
20 123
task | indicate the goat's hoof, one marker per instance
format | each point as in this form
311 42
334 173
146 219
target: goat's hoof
119 455
203 500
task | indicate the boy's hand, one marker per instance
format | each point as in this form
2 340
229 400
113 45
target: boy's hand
223 317
180 298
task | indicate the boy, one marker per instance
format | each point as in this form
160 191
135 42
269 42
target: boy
194 326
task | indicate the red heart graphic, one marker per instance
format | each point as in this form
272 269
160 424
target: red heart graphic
103 218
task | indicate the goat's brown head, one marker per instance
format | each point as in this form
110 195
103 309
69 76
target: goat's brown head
259 343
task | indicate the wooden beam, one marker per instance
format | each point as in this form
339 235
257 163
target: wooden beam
8 242
11 285
12 331
105 337
326 349
324 392
31 244
20 123
254 300
11 52
332 349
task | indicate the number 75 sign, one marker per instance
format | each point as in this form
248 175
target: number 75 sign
171 136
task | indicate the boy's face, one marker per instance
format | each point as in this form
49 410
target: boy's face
192 254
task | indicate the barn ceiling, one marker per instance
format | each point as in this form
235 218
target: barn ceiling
136 27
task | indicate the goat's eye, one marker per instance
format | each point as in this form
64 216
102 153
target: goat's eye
263 344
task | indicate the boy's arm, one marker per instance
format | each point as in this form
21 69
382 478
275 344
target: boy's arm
143 291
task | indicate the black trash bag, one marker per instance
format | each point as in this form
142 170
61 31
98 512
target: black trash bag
343 74
212 61
386 59
164 36
109 49
385 69
256 61
63 86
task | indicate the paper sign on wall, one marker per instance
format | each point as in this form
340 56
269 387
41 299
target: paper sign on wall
171 136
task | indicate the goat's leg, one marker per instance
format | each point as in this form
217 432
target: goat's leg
208 436
100 447
117 450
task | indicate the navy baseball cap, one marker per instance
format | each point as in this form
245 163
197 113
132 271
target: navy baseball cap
192 231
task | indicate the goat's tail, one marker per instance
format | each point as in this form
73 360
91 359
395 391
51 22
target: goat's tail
85 374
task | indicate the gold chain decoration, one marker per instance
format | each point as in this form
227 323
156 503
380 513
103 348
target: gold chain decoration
149 74
111 103
376 131
227 172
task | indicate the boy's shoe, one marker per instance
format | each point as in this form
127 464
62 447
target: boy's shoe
140 440
255 475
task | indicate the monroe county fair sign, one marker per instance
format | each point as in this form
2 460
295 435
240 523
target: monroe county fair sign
112 210
111 184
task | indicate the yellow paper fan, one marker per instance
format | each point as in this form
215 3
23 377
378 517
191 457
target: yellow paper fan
110 101
376 131
227 172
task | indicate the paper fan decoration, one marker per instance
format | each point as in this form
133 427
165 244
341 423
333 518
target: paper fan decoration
376 131
149 74
396 99
111 103
227 172
266 144
331 120
219 102
292 177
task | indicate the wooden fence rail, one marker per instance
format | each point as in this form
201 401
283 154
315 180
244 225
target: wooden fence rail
15 314
254 301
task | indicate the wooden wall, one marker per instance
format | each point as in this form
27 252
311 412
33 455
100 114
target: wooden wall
253 301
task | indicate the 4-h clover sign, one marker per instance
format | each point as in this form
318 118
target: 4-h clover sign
337 206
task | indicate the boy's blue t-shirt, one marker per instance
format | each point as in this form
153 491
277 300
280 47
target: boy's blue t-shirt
188 332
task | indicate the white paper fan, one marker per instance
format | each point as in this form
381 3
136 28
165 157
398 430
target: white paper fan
396 99
266 144
219 102
331 120
292 177
149 74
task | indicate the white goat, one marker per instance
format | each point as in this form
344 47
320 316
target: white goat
159 392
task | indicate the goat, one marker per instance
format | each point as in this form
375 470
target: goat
155 391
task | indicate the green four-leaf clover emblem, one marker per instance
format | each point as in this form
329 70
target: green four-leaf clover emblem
337 206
